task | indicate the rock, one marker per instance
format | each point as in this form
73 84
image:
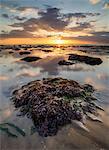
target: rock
47 51
24 53
94 118
11 52
85 59
53 114
81 125
16 48
64 62
25 48
52 103
31 59
88 88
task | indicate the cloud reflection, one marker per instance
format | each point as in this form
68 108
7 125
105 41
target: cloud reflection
28 73
97 85
3 77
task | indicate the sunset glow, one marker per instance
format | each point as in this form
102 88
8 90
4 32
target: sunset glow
59 41
37 23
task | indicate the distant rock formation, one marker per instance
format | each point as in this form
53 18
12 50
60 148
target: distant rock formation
85 59
30 58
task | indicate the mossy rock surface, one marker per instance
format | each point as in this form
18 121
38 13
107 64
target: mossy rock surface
54 102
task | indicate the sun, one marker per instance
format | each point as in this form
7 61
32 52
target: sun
59 41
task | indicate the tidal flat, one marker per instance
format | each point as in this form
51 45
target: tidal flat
21 64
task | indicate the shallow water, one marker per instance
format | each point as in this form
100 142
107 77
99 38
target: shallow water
15 73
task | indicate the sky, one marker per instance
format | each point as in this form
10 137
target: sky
54 22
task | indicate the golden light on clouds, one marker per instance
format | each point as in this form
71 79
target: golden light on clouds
47 40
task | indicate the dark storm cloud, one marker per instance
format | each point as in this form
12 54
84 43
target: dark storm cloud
5 16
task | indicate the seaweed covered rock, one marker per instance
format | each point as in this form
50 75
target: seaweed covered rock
54 102
85 59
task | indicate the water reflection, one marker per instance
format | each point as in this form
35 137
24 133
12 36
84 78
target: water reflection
15 73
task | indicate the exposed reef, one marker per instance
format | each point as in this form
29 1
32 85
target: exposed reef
54 102
64 62
24 53
47 51
85 59
30 58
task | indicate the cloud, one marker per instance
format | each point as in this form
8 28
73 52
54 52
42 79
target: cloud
6 16
19 18
103 76
49 20
27 73
26 11
23 11
29 25
80 15
3 31
92 37
98 37
3 77
17 34
97 85
10 6
106 6
52 21
94 1
8 3
81 26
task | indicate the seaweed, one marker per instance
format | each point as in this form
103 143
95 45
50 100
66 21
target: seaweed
5 128
52 103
